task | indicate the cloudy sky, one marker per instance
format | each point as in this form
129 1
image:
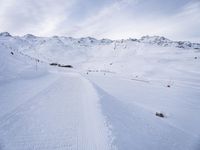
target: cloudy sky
115 19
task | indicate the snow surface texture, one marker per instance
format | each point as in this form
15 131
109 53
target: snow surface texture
108 100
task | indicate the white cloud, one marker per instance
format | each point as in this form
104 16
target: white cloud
102 22
184 25
117 19
38 17
114 22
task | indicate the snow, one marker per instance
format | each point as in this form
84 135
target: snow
56 117
131 107
108 100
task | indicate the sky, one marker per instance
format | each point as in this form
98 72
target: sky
114 19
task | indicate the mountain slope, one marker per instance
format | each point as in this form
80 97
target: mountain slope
107 99
56 118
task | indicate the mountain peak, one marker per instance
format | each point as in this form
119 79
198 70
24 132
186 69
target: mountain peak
5 34
29 36
148 38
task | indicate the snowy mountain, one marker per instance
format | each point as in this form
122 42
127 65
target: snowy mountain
84 93
152 52
162 41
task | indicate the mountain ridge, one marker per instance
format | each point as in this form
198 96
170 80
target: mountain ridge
156 40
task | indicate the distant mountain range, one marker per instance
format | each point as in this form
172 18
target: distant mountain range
156 40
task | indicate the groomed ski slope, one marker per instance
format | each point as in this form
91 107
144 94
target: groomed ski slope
71 110
64 113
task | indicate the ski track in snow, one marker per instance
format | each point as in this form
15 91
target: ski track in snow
65 115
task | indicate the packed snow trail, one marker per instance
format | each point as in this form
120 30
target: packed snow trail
65 115
130 108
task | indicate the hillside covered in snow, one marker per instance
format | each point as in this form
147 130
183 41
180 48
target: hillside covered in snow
88 94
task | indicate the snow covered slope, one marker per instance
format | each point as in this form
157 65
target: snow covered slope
153 53
108 97
14 64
